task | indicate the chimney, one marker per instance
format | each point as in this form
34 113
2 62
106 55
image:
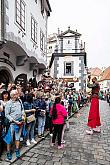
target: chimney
68 28
58 31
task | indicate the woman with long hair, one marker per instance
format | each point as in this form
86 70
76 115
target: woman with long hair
30 123
58 114
5 96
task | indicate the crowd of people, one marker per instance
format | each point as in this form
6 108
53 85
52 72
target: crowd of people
30 110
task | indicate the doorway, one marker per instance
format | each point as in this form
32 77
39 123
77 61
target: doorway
4 77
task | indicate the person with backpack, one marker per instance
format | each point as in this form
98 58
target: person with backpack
14 112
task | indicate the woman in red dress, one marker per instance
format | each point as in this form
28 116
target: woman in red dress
94 115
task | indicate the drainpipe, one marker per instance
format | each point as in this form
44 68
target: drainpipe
2 20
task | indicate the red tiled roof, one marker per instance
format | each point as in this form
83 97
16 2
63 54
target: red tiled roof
95 71
105 74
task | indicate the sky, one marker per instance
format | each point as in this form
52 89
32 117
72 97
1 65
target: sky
92 19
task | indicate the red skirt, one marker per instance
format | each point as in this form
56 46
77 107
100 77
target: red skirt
94 116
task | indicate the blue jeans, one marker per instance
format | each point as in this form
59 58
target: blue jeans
75 104
41 124
16 134
30 130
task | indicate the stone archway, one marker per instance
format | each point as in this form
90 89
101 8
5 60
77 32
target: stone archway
5 76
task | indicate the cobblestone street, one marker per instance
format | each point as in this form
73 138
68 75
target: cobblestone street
80 149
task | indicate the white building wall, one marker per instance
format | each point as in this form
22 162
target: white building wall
52 70
68 59
104 85
60 67
19 70
76 85
68 45
50 51
49 55
0 20
76 68
31 9
48 60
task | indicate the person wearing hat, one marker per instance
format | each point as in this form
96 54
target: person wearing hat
94 115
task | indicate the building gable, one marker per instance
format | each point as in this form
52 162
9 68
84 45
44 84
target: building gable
69 33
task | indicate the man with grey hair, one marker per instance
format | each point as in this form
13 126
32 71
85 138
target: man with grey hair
14 112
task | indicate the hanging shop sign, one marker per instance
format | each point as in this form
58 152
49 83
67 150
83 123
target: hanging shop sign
21 79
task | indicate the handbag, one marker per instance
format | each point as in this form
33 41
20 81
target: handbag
31 118
5 120
42 113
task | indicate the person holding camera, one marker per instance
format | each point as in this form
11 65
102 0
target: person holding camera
94 115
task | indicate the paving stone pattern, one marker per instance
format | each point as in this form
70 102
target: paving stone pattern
80 149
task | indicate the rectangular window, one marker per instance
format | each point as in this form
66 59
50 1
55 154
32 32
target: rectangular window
50 47
42 41
68 41
20 13
33 30
42 6
68 68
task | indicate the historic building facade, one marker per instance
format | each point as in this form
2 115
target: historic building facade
23 39
104 81
68 58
